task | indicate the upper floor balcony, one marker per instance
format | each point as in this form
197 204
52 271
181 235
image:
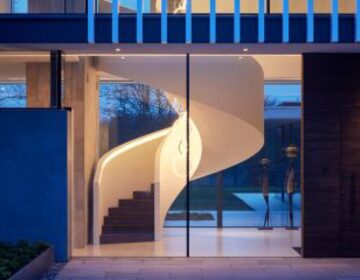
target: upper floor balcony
180 21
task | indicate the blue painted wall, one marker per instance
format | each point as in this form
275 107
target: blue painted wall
33 177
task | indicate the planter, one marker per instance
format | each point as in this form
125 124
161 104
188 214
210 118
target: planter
37 268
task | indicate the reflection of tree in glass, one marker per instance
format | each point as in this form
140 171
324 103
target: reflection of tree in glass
13 95
135 101
131 110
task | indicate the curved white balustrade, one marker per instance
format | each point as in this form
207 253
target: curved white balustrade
226 120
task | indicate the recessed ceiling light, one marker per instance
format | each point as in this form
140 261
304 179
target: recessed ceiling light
240 57
246 50
123 57
117 49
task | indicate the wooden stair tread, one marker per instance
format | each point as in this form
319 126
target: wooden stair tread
131 221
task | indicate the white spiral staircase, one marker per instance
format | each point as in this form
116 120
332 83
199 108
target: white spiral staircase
226 118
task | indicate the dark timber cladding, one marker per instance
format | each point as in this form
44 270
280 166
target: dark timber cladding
55 100
331 155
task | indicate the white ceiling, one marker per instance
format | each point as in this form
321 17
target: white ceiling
275 67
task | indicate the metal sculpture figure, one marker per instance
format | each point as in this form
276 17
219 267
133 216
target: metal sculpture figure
265 190
290 180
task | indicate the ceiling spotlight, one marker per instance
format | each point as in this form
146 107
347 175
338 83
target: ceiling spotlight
118 50
246 50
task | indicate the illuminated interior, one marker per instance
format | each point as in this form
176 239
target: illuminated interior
226 130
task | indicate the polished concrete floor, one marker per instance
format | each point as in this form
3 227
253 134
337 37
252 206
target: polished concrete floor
210 269
206 242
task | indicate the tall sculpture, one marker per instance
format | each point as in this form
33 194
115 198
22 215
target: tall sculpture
290 180
265 190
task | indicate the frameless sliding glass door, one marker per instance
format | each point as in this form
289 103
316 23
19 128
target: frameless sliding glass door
244 160
143 152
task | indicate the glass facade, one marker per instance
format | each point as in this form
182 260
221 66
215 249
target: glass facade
129 110
143 138
173 6
235 195
237 185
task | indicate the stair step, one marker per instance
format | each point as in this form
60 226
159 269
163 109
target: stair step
129 219
136 204
106 229
127 237
143 195
130 212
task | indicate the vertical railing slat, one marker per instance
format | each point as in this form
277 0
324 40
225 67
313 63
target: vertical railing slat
335 21
91 21
237 22
139 22
310 21
261 21
164 21
115 21
188 28
212 21
357 21
285 22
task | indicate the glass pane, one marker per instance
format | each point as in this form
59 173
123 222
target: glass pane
42 6
347 7
143 156
174 6
298 6
24 80
177 6
12 95
152 6
125 6
276 6
322 7
20 6
5 6
200 6
75 6
249 7
225 6
246 168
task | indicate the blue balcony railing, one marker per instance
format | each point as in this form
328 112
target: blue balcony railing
140 7
185 21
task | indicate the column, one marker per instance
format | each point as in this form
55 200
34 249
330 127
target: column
81 94
38 84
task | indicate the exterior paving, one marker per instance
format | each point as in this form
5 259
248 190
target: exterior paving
210 269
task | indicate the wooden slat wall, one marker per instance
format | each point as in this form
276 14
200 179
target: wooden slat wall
331 155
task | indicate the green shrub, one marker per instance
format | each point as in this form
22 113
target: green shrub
14 257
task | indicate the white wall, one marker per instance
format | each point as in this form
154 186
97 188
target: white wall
170 172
